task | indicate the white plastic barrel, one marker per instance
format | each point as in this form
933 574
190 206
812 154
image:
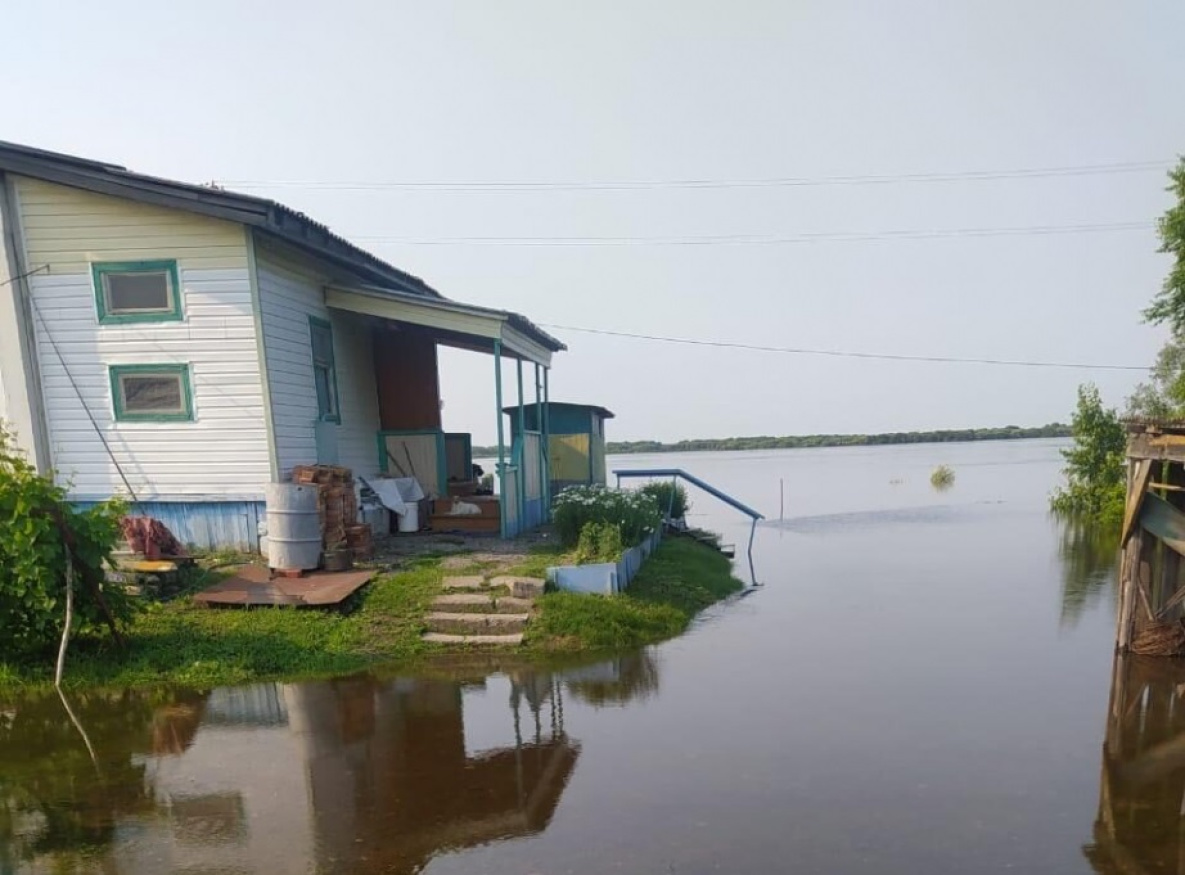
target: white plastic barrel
293 526
409 520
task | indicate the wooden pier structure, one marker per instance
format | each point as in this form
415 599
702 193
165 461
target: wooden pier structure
1151 618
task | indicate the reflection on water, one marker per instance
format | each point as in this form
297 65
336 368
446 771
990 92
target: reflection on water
917 688
351 775
1141 816
1089 559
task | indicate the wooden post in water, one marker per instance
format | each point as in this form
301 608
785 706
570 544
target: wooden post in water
781 499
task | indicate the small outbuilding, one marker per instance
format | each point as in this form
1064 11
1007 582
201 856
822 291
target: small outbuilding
576 444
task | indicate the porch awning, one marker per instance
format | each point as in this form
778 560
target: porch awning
455 324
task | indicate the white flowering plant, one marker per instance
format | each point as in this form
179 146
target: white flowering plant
635 514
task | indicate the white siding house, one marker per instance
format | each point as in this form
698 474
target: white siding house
174 343
291 293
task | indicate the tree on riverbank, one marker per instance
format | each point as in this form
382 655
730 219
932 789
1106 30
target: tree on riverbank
1094 489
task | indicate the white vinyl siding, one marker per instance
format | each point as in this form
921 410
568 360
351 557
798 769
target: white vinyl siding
224 451
290 291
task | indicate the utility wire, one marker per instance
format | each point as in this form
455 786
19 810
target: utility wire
766 240
789 350
20 276
714 183
81 400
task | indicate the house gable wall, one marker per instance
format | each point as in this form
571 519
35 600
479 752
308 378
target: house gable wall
223 452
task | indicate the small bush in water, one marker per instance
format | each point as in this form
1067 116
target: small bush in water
943 477
635 514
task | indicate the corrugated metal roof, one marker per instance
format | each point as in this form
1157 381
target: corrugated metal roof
289 225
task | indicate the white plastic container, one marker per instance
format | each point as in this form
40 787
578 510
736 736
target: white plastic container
409 520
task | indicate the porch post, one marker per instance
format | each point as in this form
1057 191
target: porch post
501 436
522 451
543 487
547 437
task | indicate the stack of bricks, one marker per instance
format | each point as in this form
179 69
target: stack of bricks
338 502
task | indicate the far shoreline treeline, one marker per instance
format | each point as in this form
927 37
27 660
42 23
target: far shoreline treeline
798 442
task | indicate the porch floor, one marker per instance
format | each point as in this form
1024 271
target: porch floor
252 585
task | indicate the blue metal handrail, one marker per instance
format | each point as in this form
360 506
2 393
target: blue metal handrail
677 473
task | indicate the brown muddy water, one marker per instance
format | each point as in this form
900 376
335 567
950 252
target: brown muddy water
923 683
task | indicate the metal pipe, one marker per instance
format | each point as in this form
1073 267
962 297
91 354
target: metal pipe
521 475
501 437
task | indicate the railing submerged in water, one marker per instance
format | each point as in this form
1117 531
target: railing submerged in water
679 474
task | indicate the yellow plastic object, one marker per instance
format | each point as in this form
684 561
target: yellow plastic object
153 567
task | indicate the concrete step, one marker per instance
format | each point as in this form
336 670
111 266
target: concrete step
508 604
475 640
465 602
465 582
521 587
455 623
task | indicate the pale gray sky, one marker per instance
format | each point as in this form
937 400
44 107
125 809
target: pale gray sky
544 91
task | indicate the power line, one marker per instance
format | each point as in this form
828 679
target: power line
1107 169
789 350
25 275
765 240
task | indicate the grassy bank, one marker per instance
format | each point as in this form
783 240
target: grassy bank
678 581
179 642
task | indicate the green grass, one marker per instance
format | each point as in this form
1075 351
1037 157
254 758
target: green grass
180 642
678 581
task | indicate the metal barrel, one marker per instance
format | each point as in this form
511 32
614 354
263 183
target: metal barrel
293 525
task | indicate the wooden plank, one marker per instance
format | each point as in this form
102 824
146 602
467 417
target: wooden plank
1164 521
1127 591
1137 489
1166 446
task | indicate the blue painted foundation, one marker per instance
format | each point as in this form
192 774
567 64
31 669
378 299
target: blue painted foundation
206 525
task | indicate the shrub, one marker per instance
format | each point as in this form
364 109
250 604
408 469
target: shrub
633 513
671 498
33 513
942 477
1095 476
599 542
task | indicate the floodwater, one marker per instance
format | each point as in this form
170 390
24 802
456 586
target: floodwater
923 682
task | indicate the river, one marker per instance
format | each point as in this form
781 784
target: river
920 683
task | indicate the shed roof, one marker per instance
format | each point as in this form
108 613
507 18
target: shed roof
594 408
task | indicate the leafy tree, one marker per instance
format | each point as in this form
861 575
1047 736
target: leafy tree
1163 396
1095 487
1169 305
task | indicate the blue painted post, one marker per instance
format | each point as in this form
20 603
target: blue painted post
501 436
522 448
547 437
543 488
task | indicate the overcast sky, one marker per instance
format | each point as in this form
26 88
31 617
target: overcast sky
471 92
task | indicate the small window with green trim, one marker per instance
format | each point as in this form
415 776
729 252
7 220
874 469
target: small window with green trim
151 393
324 370
137 291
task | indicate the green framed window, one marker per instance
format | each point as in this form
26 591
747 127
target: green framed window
151 393
324 370
137 291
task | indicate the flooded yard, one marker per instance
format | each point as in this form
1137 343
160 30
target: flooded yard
922 683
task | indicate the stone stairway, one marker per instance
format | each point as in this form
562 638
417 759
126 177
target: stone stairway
476 610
